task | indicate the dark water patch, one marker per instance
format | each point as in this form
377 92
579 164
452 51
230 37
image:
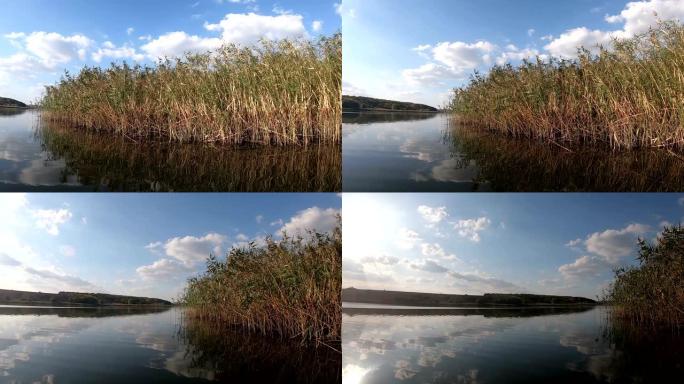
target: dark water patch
42 156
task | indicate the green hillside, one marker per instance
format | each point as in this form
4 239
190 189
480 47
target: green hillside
359 103
11 103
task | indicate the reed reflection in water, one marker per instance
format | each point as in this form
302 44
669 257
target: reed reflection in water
432 153
46 156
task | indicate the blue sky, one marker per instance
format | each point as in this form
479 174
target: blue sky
139 244
418 51
565 244
39 39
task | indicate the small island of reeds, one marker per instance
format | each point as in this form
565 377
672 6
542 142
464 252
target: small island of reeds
287 289
628 96
275 93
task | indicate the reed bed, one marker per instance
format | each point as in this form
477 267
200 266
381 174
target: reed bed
651 295
629 96
288 288
275 93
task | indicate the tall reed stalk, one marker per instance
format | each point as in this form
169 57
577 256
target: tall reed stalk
652 294
276 93
629 96
288 288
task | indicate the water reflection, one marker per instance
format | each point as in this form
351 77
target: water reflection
142 345
36 155
434 154
545 345
255 358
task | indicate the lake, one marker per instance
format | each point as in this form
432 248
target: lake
493 345
423 152
39 156
151 345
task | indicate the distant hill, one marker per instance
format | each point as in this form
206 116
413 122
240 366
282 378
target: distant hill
76 299
359 103
417 299
7 102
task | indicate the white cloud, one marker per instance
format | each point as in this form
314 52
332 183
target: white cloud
343 11
432 215
613 244
176 44
130 31
63 281
463 57
317 25
259 219
108 49
314 218
435 250
531 32
471 228
384 259
408 238
585 266
51 219
637 17
191 250
67 250
429 265
250 28
53 48
573 243
566 45
163 269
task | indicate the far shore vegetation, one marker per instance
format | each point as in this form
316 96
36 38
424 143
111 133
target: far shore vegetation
628 96
420 299
274 93
651 295
287 289
11 297
369 104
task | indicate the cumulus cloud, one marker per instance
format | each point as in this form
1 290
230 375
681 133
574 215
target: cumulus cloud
435 250
432 215
408 238
174 44
429 265
450 61
52 48
108 49
471 228
250 28
191 250
316 25
163 269
584 266
383 259
64 282
614 244
483 283
637 17
314 218
51 219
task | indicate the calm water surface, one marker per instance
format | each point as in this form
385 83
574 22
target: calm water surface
535 345
97 345
37 156
423 152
